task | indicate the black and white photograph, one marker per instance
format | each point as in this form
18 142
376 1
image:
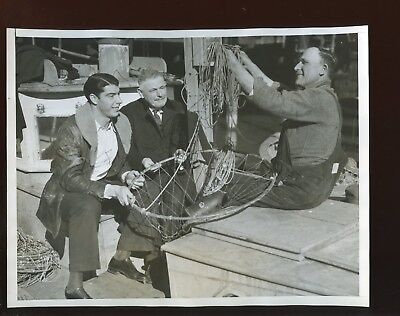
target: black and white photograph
221 167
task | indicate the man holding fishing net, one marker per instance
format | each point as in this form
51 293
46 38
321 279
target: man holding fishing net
160 138
309 157
89 174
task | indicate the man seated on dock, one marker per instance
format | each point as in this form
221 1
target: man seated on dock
309 156
161 129
89 174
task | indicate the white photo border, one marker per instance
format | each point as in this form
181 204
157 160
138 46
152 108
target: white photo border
363 93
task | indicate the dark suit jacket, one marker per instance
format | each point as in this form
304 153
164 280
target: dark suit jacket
149 140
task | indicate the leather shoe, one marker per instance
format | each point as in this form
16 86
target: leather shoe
126 268
78 293
147 274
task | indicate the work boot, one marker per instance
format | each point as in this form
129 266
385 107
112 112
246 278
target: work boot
126 268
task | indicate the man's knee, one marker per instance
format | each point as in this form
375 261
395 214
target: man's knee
84 206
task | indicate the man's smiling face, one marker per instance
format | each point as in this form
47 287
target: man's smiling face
154 91
310 68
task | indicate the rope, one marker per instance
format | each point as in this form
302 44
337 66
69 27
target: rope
221 174
219 88
36 260
216 80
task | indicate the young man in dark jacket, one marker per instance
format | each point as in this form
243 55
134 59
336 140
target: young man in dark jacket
89 170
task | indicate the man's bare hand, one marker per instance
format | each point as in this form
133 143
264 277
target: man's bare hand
148 163
134 179
233 62
245 59
180 156
123 195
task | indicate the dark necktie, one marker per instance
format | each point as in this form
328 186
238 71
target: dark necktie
157 118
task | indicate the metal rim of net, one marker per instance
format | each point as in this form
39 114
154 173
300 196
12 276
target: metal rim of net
263 182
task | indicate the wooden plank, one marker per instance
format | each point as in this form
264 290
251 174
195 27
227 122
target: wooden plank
251 245
342 253
114 59
52 288
105 285
348 229
307 275
290 231
111 286
70 86
216 282
193 48
333 212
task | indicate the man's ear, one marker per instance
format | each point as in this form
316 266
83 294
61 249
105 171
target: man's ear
94 98
140 92
324 69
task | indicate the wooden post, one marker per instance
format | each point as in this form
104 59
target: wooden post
114 58
193 52
333 39
195 55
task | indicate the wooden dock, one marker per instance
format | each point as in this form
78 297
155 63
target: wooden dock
269 252
105 286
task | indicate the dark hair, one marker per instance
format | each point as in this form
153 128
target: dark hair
149 74
96 83
327 58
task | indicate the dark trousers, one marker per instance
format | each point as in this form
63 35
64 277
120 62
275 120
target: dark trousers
81 216
304 188
138 232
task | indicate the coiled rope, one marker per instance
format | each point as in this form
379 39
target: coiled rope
36 260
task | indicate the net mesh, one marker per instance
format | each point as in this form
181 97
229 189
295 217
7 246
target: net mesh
212 185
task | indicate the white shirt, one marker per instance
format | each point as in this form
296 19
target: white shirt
157 112
107 148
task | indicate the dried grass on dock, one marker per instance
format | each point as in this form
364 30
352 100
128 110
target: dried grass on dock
36 260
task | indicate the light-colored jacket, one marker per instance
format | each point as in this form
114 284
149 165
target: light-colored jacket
314 114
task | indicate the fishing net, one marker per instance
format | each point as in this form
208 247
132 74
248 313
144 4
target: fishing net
213 184
210 184
36 260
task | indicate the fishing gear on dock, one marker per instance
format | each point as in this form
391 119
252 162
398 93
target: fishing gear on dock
36 260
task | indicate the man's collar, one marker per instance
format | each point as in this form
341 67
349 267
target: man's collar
320 83
109 126
87 125
158 111
169 109
148 105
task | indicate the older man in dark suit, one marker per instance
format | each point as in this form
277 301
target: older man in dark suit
161 128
